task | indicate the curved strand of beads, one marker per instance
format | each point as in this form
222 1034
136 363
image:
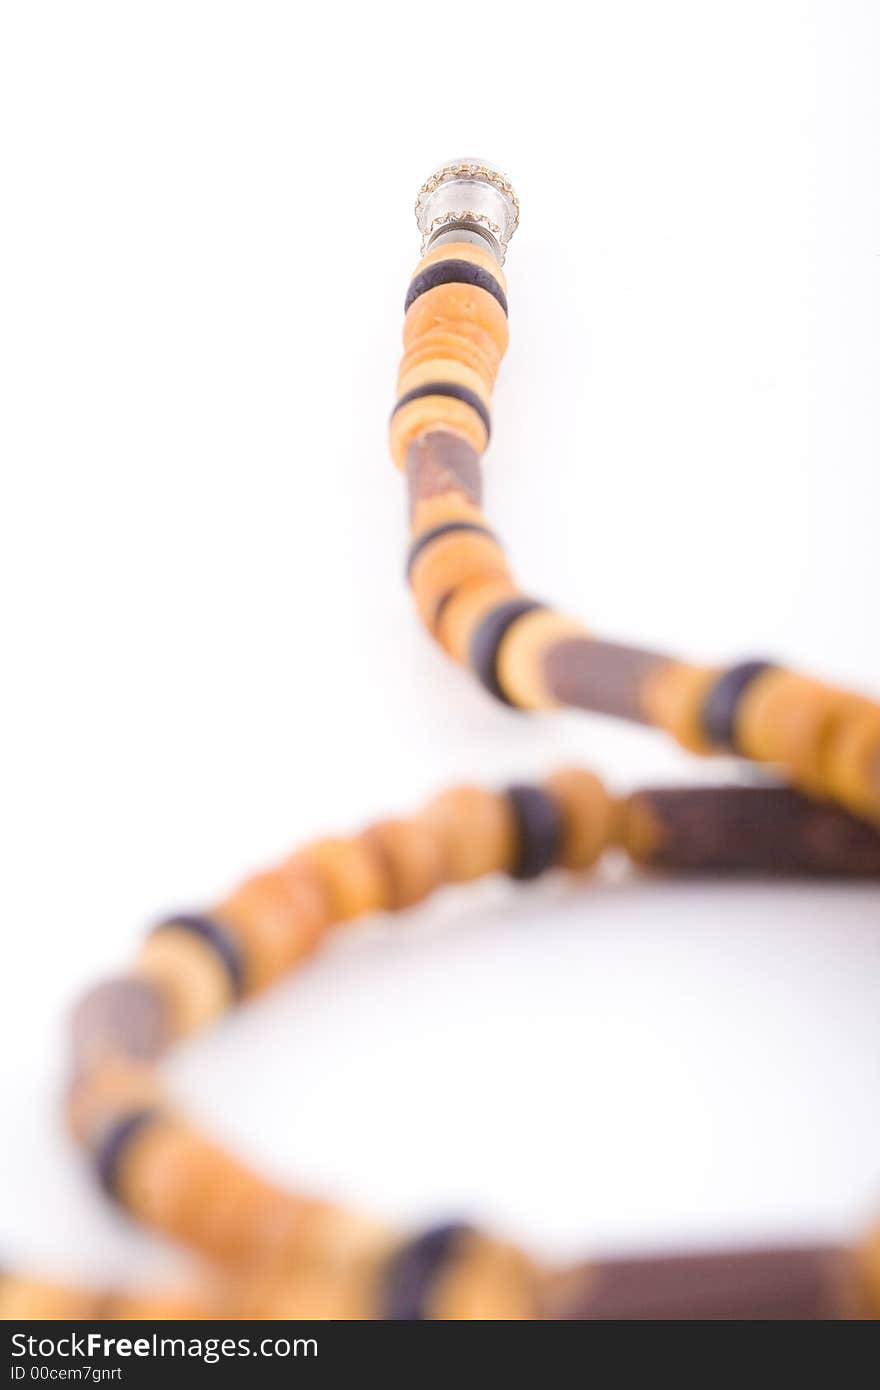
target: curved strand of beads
824 740
287 1254
273 1253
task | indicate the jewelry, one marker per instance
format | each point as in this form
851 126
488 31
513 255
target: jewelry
280 1254
825 741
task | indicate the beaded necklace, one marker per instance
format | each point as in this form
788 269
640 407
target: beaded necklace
277 1254
825 741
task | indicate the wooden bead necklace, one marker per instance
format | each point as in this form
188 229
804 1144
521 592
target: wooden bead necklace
278 1254
824 741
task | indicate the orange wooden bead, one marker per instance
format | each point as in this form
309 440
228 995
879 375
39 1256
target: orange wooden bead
308 1290
868 1262
174 1179
159 1307
236 1216
673 699
464 610
486 1281
640 832
460 557
353 876
785 718
445 369
340 1236
24 1299
476 831
448 307
277 919
154 1176
464 343
589 816
851 760
413 856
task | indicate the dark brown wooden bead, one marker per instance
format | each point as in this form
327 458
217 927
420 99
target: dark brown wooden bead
722 702
602 676
538 822
413 1270
809 1284
440 462
768 830
454 272
488 636
455 391
124 1017
109 1152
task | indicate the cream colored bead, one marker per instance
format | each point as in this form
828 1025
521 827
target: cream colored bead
192 979
520 658
465 610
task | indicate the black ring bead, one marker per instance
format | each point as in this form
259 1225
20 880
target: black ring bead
448 388
215 935
444 529
483 652
722 702
539 831
109 1151
413 1270
454 272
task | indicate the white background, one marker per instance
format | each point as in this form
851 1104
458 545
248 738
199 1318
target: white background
209 653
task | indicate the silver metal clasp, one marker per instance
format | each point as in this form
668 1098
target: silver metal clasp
468 200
